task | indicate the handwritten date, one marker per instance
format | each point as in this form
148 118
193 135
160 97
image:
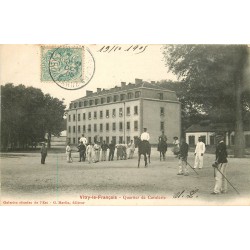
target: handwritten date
186 194
137 49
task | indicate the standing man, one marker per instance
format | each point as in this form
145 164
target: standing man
183 154
111 150
131 149
43 153
81 149
199 152
104 148
221 164
68 153
84 140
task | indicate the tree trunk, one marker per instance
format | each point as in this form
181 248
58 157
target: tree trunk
239 150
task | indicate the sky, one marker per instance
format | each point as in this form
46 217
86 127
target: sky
22 65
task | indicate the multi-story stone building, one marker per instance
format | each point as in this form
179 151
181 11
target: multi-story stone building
121 113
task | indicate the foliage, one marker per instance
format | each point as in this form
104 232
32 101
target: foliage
27 114
212 81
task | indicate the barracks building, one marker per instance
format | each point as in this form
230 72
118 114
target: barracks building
121 113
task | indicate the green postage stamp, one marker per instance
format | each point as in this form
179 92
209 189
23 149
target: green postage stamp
66 66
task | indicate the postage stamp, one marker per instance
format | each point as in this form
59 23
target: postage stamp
70 67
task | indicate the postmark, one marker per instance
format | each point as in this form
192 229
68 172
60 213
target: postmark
69 66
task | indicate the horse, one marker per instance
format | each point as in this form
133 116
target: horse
162 148
144 148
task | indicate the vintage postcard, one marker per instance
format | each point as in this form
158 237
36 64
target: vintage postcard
125 124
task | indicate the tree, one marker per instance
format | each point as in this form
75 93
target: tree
27 114
212 77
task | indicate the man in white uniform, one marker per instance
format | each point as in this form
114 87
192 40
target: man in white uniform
83 140
145 135
199 153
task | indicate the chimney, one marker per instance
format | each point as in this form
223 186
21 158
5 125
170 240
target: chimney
138 81
89 92
98 90
123 84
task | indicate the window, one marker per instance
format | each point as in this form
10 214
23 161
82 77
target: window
83 128
75 105
135 125
113 113
107 113
212 140
107 139
130 95
108 99
74 129
161 111
74 140
91 102
120 112
95 128
101 127
74 117
84 116
89 128
203 138
96 101
128 139
89 115
191 140
122 97
115 98
69 140
101 114
135 110
102 100
137 94
128 125
85 103
120 139
160 95
128 110
162 126
120 125
79 117
113 126
69 129
69 118
80 104
95 114
107 126
79 129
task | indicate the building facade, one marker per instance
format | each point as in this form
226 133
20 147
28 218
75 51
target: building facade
121 113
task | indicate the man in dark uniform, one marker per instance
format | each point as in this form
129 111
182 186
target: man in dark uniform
183 154
82 151
43 153
111 150
221 164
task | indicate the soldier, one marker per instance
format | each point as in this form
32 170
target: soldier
43 153
104 148
221 164
183 158
111 150
68 153
199 152
131 149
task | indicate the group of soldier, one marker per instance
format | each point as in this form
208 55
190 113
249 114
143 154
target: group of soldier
95 152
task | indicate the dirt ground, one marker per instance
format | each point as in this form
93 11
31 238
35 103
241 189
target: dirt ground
24 179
